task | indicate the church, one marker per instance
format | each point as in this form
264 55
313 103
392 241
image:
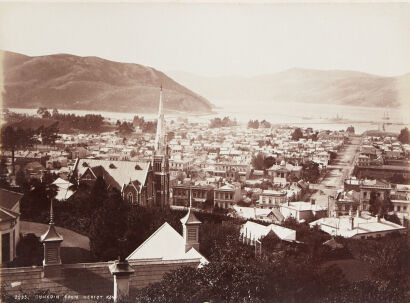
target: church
140 183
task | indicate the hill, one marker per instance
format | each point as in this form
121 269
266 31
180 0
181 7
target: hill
306 86
91 83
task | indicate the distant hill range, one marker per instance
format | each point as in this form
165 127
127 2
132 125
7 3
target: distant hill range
304 85
90 83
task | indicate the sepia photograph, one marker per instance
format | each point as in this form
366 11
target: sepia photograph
204 151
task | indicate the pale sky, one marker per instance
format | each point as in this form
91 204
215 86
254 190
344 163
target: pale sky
217 39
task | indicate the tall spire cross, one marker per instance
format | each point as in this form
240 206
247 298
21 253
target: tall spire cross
160 137
51 213
190 197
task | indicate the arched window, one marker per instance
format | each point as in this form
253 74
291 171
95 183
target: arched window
130 198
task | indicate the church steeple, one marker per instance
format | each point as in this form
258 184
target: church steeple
160 137
160 161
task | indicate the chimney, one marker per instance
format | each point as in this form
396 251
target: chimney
190 226
312 201
51 241
377 218
351 223
358 213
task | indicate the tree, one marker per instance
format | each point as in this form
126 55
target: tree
49 134
41 111
378 206
133 153
268 162
4 183
225 122
311 171
350 130
404 136
37 197
170 136
125 128
297 134
55 113
13 139
108 224
258 161
265 124
98 195
253 124
270 242
21 180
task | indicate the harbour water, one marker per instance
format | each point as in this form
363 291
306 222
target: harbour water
317 116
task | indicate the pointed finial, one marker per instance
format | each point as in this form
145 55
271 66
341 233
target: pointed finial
51 213
190 197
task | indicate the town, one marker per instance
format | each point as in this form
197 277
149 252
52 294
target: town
219 210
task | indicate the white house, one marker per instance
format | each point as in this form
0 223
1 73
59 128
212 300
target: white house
360 226
302 211
252 232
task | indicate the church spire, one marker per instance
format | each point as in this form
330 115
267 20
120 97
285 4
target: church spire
160 137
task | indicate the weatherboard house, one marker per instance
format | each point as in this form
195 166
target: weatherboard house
164 251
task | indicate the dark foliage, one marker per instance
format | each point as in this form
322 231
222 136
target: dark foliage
49 134
404 136
297 134
262 162
89 122
311 171
13 139
225 122
125 128
350 130
29 252
36 200
145 126
108 224
378 206
253 124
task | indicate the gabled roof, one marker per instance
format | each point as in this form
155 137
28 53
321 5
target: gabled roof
8 199
258 231
116 173
165 244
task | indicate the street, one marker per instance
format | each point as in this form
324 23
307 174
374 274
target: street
341 168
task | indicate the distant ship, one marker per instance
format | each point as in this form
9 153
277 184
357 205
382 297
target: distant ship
386 116
337 118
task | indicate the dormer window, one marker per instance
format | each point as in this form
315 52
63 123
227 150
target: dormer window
137 167
112 166
85 164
